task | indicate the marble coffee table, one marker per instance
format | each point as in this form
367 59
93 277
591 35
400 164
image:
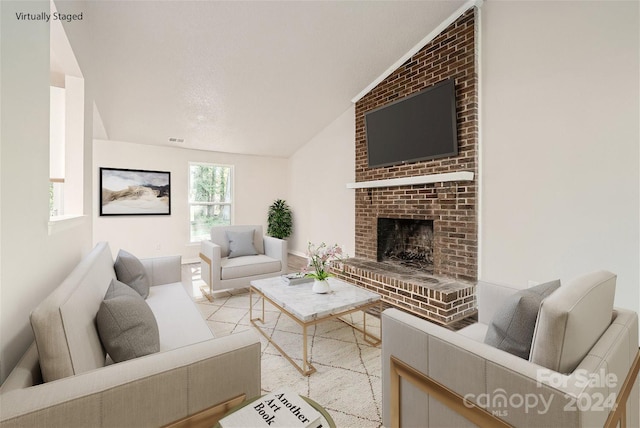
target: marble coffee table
307 308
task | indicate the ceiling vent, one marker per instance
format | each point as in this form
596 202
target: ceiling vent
176 140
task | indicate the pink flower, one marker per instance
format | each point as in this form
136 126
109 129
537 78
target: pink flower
319 258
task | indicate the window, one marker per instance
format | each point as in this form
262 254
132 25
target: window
210 198
66 148
56 151
66 131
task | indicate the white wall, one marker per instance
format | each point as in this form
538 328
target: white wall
560 142
323 208
258 182
32 262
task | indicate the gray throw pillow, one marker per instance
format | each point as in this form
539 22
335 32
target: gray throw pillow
512 326
117 288
131 271
241 243
126 325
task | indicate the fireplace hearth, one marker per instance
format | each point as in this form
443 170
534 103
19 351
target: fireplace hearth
441 300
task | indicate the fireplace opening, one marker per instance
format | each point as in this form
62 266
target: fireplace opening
406 242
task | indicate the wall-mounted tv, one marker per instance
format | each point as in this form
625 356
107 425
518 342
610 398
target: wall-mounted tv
419 127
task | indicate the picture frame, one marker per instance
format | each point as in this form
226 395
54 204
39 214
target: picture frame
134 192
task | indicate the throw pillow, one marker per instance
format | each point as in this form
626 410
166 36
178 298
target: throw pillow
117 288
512 326
131 271
126 325
241 243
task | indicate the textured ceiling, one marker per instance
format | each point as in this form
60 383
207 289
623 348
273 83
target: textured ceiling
243 77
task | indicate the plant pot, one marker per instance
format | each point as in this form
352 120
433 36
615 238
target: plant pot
320 287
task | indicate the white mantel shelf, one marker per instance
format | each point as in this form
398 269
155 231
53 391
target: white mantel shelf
408 181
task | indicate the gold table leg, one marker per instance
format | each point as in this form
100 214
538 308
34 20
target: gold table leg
307 368
368 337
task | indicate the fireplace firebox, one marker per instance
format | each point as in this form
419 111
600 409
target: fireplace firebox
407 242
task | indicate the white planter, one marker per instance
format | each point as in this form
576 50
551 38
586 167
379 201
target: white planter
320 287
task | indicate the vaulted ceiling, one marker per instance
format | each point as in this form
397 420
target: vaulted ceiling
252 77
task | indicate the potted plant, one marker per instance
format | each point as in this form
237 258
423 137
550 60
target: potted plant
280 220
319 259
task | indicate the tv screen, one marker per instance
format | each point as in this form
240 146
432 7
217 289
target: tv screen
419 127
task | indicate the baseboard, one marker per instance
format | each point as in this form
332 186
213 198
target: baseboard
299 254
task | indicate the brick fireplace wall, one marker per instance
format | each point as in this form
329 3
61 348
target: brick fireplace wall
452 206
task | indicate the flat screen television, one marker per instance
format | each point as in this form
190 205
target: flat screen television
419 127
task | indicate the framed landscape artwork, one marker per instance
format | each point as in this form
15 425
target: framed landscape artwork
134 192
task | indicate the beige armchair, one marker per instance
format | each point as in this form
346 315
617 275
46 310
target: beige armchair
582 370
229 261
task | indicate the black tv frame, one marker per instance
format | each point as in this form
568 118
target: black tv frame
454 131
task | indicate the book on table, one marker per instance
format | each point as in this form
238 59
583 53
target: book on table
296 278
280 409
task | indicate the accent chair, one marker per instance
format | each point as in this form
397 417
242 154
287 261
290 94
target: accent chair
581 369
236 255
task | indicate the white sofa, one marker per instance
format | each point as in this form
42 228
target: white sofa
433 376
222 272
192 373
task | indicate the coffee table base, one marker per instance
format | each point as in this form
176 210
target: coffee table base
306 369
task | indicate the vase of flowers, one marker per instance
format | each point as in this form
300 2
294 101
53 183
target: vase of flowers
320 258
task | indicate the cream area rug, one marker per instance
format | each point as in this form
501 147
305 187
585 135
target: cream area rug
347 382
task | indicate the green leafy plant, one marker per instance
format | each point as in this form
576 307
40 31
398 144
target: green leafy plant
280 220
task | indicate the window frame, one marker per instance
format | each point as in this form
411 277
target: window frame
191 203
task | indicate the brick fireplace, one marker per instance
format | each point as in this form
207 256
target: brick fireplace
445 291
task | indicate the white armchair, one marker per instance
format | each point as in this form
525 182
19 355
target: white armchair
223 268
582 372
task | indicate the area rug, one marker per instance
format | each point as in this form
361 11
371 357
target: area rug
348 378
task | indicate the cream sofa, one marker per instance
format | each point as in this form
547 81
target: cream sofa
221 272
436 377
192 374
